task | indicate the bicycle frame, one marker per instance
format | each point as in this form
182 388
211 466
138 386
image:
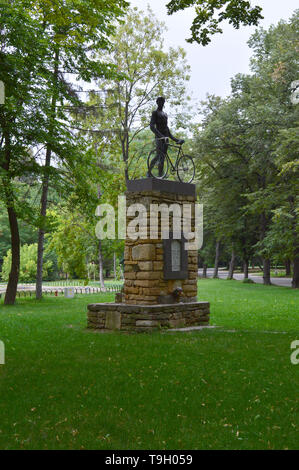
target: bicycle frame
179 154
180 166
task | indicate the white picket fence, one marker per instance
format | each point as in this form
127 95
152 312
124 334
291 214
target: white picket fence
56 291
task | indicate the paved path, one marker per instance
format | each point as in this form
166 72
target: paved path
278 281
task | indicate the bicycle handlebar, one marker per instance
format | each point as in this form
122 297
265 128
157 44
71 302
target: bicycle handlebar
167 138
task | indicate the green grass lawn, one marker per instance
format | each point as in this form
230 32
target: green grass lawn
232 387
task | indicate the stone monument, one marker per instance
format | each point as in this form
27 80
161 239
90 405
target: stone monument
160 286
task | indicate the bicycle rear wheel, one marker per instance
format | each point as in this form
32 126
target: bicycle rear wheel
153 166
186 169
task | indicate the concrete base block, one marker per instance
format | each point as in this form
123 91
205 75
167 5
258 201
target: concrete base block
113 320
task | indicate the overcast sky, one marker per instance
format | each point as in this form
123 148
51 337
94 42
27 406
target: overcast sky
213 66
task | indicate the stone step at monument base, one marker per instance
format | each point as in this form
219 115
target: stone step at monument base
147 318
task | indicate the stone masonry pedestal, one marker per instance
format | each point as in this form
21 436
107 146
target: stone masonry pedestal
160 286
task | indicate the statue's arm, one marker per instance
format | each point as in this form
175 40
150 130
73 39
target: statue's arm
153 124
178 141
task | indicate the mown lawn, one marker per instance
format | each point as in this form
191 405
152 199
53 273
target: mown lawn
232 387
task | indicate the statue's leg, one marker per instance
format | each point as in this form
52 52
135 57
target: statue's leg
163 150
154 160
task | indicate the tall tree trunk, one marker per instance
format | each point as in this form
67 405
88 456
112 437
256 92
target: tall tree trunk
101 273
114 265
88 270
230 275
124 134
204 271
125 151
217 256
12 286
288 267
295 280
266 261
41 232
45 185
267 271
246 269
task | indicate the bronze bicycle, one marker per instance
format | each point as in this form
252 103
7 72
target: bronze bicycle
184 165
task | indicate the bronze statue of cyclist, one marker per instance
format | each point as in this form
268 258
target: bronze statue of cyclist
161 130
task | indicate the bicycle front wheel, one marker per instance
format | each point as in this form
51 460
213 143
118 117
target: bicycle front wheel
186 169
155 167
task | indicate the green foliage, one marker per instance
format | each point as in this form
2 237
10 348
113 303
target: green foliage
247 150
73 241
27 233
28 264
210 13
69 242
41 42
119 274
122 114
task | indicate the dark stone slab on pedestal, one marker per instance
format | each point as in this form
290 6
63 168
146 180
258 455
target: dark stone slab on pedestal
164 186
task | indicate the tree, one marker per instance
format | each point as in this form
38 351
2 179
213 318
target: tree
224 177
74 30
21 117
26 229
148 71
275 61
74 242
288 207
40 42
28 264
249 154
210 13
70 240
120 109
